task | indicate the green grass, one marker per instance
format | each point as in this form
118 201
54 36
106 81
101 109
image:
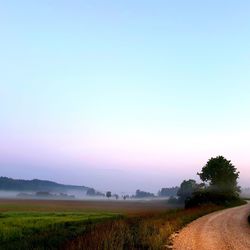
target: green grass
45 230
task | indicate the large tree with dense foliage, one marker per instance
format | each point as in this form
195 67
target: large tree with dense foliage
221 175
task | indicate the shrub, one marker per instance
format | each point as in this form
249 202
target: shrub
173 200
207 196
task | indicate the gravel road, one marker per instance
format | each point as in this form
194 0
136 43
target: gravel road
226 229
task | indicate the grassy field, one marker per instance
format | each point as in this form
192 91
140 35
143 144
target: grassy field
44 230
40 224
124 207
48 224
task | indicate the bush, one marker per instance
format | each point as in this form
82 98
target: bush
173 200
207 196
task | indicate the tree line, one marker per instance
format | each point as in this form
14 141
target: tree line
219 185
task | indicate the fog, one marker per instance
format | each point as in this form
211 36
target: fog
8 194
54 195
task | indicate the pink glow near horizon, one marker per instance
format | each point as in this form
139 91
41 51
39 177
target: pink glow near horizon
159 152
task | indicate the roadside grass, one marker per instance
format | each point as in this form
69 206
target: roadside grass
236 203
150 231
43 230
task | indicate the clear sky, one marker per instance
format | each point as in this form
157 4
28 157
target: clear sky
123 94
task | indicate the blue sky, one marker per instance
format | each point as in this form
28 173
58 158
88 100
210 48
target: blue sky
108 92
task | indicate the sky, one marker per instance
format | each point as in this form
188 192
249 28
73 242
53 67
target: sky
120 95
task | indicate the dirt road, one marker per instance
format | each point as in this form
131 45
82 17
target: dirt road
227 229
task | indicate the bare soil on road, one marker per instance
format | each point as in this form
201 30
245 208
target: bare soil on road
222 230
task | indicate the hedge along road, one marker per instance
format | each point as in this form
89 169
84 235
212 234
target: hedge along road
226 229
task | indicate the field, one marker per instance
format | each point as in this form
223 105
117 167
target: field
127 207
37 224
39 230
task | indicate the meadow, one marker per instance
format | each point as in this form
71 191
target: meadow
41 224
120 206
44 230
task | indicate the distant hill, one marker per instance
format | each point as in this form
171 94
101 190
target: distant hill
9 184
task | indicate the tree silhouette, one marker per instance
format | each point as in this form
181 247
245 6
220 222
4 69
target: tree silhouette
221 175
108 194
186 189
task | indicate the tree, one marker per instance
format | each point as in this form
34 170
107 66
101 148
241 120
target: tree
125 197
165 192
116 196
186 189
108 194
221 175
91 192
143 194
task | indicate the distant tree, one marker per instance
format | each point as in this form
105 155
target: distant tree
143 194
108 194
91 192
167 192
97 193
125 197
221 175
186 189
116 196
